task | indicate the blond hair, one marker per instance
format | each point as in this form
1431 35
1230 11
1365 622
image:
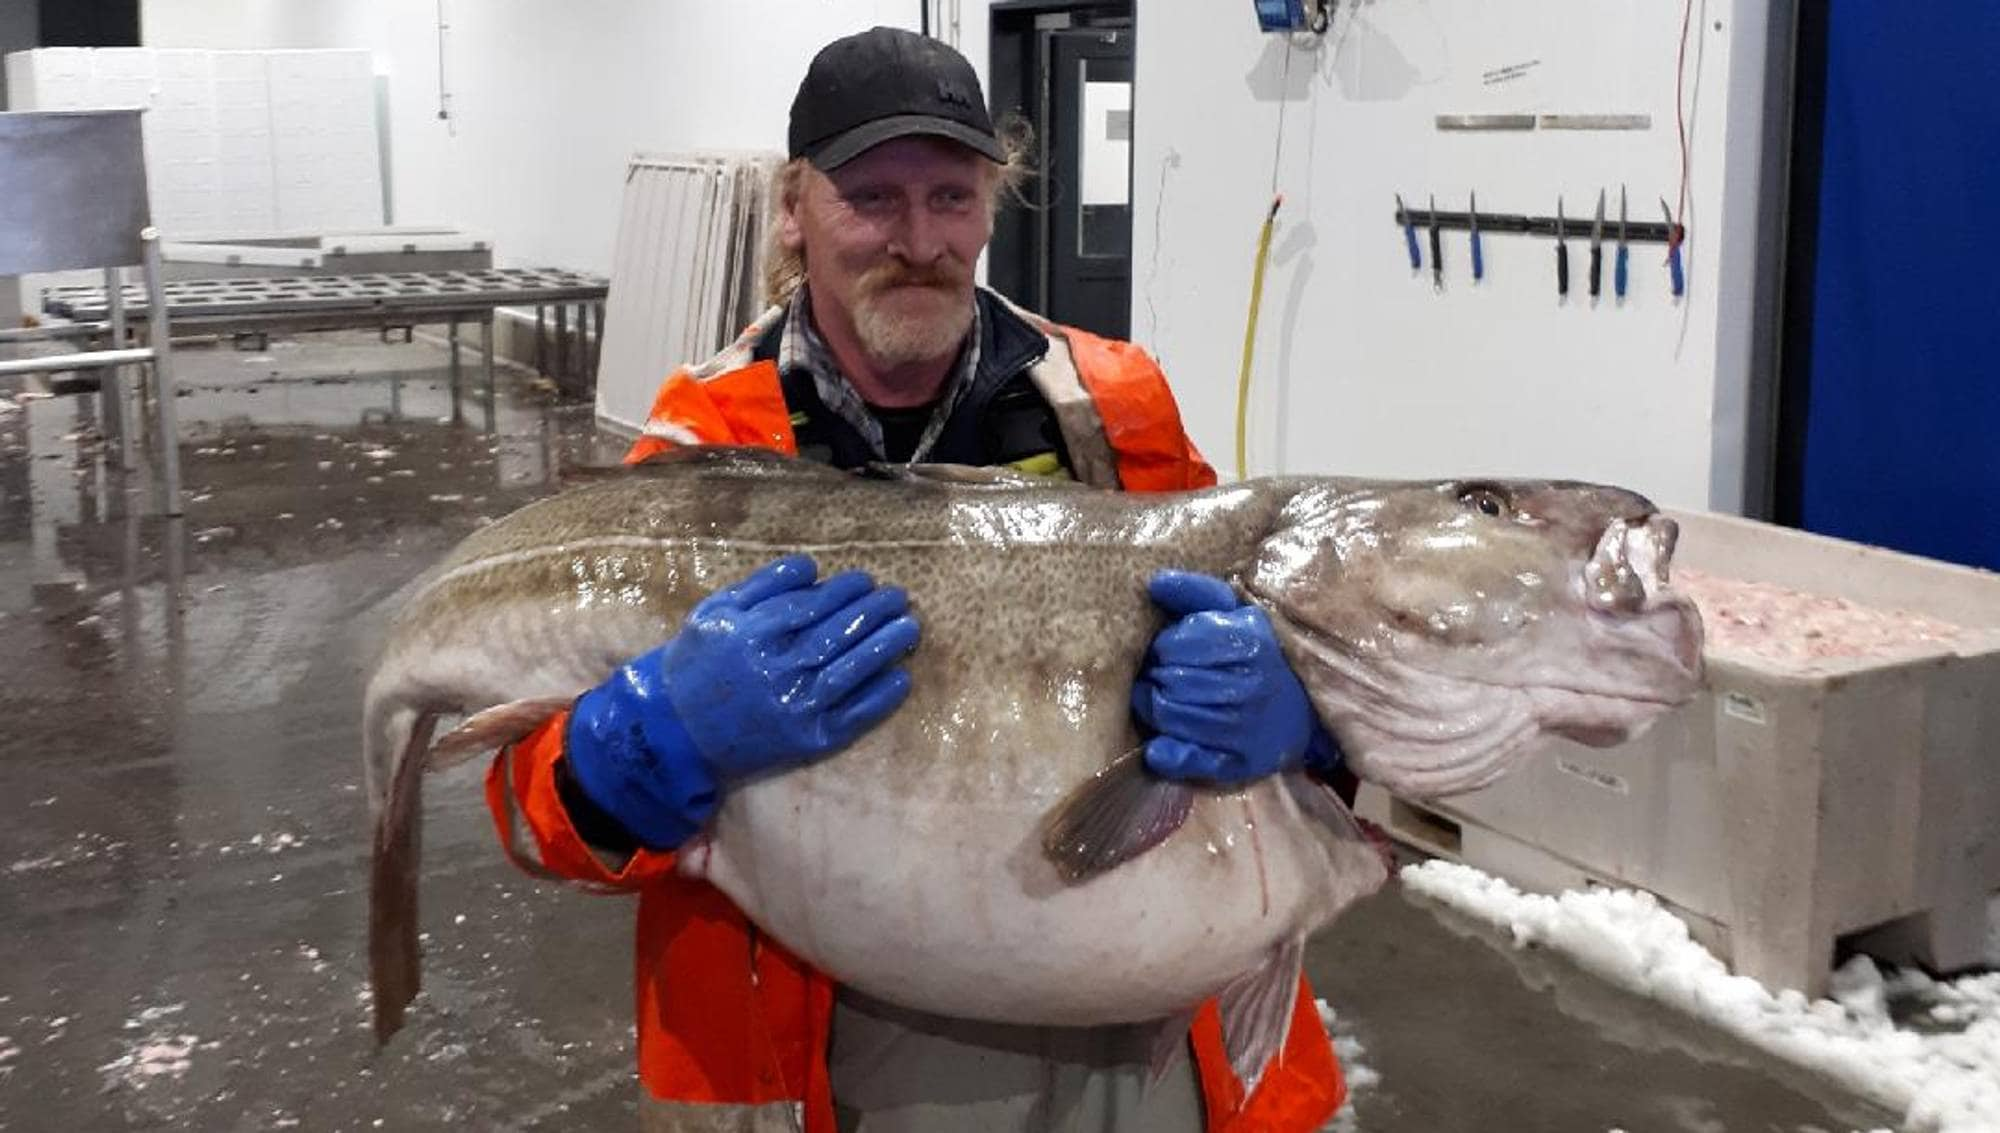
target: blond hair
785 268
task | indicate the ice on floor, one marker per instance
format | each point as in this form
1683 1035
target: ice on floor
1940 1066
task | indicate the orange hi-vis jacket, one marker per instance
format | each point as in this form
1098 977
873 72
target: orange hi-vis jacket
733 1029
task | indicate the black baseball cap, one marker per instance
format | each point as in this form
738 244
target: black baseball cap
865 89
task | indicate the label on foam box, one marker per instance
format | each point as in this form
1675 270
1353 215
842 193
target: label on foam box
1746 708
1603 780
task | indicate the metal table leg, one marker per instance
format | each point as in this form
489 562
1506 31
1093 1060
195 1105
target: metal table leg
541 365
486 347
562 347
116 409
163 382
457 410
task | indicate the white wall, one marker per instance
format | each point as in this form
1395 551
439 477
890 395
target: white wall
548 100
1361 368
237 24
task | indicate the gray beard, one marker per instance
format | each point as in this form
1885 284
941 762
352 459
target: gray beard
896 340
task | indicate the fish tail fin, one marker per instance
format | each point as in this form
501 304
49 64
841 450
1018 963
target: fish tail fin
491 729
400 734
1114 816
387 715
1257 1013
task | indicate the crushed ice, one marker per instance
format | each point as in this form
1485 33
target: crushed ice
1946 1081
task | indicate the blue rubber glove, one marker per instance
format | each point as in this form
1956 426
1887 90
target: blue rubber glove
773 671
1217 690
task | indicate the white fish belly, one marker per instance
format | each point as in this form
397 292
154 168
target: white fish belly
949 907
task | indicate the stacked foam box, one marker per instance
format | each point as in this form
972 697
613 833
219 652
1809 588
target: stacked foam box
121 76
323 127
237 142
54 78
245 154
181 143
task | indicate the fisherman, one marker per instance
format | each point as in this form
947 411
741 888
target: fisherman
879 347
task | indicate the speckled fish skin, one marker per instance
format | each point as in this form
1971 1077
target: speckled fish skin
909 865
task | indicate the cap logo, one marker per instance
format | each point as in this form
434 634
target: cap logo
952 92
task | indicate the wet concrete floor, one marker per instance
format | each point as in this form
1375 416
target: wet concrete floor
183 831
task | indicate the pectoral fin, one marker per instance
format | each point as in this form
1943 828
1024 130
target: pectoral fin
1257 1013
1318 802
1359 864
1116 815
490 730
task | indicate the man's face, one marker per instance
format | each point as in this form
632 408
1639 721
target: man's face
890 239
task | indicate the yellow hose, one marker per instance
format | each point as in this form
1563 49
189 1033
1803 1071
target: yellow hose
1250 331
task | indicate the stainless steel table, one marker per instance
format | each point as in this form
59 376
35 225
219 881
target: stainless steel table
386 300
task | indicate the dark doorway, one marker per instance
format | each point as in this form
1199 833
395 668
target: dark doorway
1066 68
98 23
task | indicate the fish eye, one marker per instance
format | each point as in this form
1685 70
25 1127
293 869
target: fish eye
1486 499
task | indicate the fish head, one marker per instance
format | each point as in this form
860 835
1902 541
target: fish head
1441 628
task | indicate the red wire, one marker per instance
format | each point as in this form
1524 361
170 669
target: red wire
1680 115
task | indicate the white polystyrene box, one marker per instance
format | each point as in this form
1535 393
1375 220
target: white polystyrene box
246 190
183 146
326 151
20 69
1789 804
121 76
242 80
66 79
184 79
50 78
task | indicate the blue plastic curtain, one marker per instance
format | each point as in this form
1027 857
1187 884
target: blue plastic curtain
1902 379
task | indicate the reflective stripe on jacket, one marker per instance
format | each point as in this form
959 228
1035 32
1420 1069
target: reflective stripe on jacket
733 1029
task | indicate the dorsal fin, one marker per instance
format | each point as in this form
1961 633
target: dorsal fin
733 460
716 454
964 475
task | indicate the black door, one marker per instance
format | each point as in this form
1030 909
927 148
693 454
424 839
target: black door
1089 215
1066 68
97 23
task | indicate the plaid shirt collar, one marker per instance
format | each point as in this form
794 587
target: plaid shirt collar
802 348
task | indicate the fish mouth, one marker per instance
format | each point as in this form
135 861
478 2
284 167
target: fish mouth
1629 564
1648 637
1627 580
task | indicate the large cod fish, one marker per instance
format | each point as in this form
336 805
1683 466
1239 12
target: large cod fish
995 849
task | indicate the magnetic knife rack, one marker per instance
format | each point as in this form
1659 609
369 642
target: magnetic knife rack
1636 231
